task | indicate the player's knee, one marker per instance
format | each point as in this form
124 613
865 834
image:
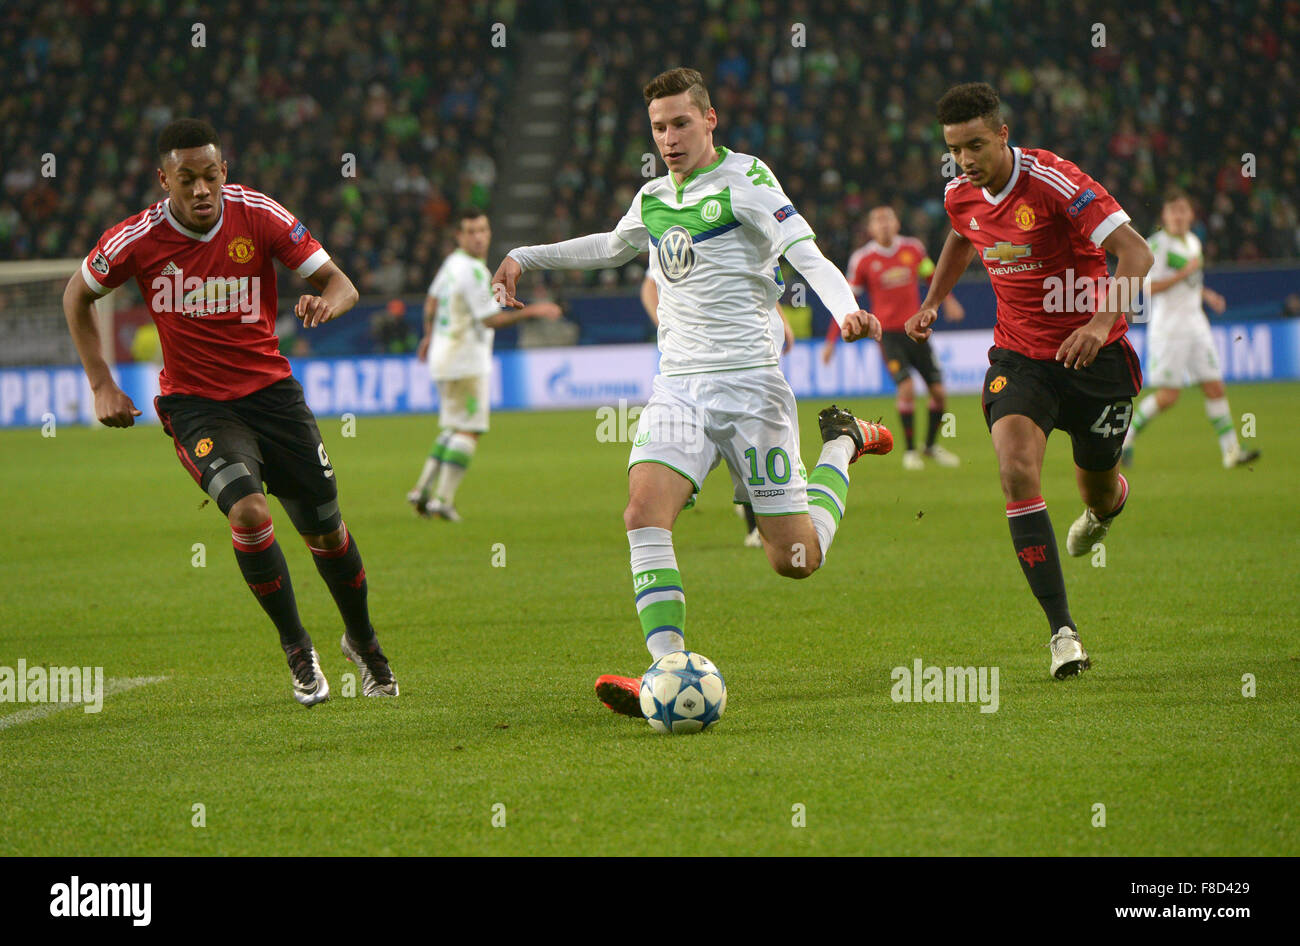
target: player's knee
1167 397
800 560
326 540
640 513
1019 475
250 512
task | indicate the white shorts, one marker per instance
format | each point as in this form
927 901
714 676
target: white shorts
464 403
746 418
1175 361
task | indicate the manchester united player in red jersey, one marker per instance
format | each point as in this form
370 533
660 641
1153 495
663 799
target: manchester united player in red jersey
890 268
203 259
1059 358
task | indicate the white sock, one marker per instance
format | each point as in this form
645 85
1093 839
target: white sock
1220 416
657 584
460 450
430 470
828 490
1147 408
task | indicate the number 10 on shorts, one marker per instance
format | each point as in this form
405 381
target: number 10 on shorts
777 465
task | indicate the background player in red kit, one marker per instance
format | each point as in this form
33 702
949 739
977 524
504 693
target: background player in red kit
1059 358
890 268
203 259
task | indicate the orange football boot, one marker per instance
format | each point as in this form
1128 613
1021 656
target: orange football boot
621 694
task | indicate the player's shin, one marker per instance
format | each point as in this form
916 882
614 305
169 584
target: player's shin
828 492
261 562
1220 417
657 588
432 463
455 458
1035 544
345 576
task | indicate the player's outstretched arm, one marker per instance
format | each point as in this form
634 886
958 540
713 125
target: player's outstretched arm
337 295
112 407
595 251
537 310
956 256
832 288
1133 260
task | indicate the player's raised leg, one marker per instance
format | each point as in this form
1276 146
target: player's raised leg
796 542
656 494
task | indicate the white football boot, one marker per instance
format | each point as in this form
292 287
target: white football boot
942 457
753 540
912 460
1068 656
376 676
309 684
1085 532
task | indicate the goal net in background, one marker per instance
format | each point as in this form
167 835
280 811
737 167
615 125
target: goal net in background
33 330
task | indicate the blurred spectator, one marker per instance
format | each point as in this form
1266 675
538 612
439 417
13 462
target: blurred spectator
390 331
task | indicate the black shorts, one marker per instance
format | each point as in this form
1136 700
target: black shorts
231 447
902 354
1094 404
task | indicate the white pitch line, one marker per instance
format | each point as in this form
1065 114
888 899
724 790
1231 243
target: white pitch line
112 686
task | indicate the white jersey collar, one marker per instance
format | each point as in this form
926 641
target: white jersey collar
194 234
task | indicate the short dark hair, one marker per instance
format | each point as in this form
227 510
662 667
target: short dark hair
675 82
469 213
186 133
970 100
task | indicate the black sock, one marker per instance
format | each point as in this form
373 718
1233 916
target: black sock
936 418
345 577
1035 543
262 564
907 418
750 522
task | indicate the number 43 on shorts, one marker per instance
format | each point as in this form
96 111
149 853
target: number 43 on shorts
1114 419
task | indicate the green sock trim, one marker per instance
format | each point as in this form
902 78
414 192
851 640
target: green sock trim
667 613
831 480
1221 424
825 502
455 457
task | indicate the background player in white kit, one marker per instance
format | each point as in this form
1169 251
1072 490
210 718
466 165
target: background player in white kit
715 226
1180 348
459 321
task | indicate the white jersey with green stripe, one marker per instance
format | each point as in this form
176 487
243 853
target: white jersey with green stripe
462 344
714 241
1177 311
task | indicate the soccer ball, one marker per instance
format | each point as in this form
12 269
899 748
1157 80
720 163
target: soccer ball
682 692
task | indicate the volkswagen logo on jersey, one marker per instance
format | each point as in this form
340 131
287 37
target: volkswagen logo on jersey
676 254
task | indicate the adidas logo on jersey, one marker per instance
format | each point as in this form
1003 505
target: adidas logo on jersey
974 224
170 269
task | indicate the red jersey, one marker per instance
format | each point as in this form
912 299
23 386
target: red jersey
212 295
1048 223
891 278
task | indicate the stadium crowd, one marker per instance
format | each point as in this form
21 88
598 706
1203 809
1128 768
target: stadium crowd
836 95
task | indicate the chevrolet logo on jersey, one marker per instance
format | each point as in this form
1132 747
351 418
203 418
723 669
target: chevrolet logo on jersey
1004 252
676 254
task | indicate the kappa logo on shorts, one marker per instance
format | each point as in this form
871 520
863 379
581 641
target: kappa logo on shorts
203 447
997 384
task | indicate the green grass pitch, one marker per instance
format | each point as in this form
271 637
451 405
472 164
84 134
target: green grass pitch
496 664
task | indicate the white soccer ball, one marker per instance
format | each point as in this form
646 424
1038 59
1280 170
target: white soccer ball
682 692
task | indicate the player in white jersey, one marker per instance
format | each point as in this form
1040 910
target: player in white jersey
715 226
460 317
1180 348
779 324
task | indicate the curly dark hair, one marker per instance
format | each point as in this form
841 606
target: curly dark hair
186 133
970 100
